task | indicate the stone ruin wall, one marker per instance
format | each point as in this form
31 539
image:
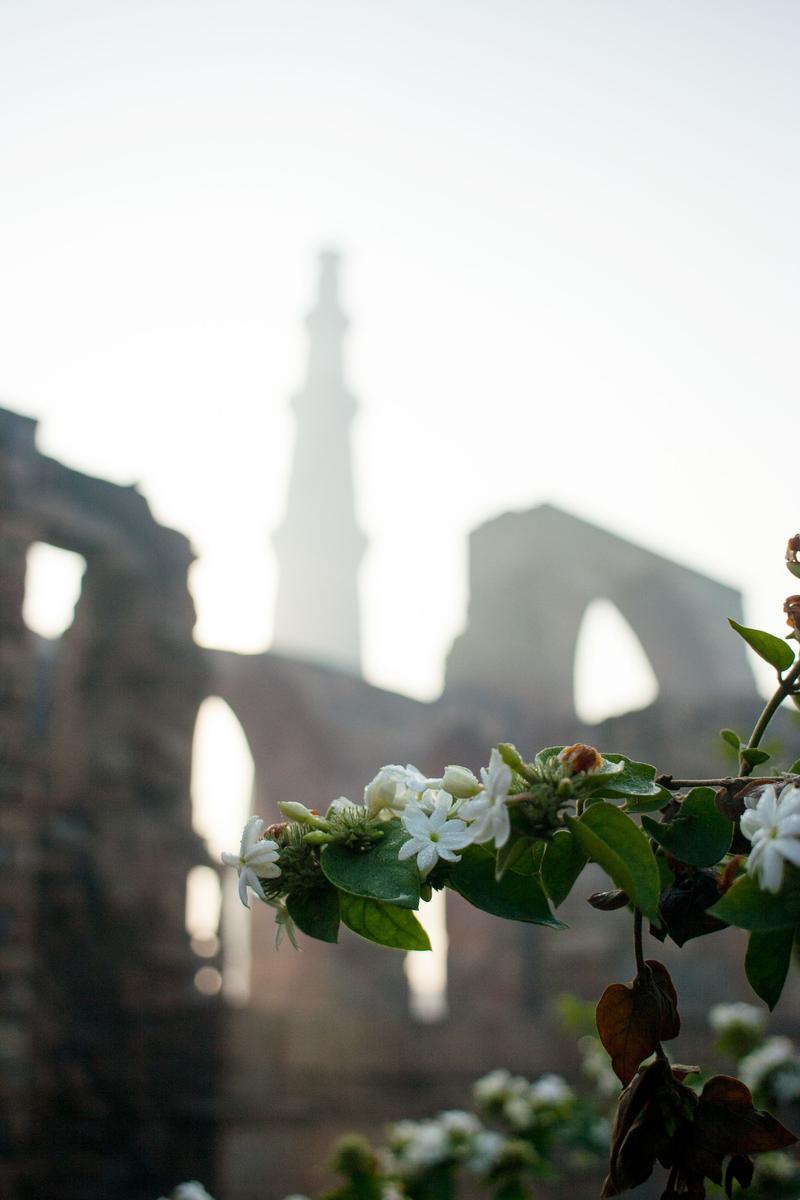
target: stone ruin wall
110 1055
107 1044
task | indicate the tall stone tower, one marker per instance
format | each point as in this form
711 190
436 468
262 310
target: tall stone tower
319 546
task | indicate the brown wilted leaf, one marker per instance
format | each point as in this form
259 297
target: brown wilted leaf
739 1170
635 1141
727 1123
633 1018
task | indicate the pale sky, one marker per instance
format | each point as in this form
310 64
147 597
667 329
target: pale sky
571 265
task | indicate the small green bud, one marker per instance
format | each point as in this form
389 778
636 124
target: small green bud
318 837
353 1155
564 789
512 758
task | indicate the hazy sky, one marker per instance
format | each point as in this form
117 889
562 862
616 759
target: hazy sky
572 268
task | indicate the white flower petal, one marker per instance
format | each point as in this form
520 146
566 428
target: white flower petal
788 848
427 857
771 869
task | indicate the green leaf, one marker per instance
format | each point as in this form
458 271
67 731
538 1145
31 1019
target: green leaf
753 756
385 924
515 897
376 873
564 859
698 835
617 844
794 769
648 804
772 649
636 779
316 912
731 738
519 854
766 964
748 906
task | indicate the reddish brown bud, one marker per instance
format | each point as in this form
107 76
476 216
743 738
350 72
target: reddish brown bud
792 609
274 831
581 759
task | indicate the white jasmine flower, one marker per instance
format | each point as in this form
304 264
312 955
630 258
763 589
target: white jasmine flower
772 824
776 1052
518 1112
391 1191
775 1165
433 836
550 1090
460 782
420 1144
493 1088
257 859
597 1066
394 787
283 924
456 1121
487 811
723 1017
485 1151
191 1191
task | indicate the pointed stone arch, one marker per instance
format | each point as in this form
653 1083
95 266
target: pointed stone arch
533 575
612 673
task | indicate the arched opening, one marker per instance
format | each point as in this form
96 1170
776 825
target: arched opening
53 581
427 973
222 790
612 673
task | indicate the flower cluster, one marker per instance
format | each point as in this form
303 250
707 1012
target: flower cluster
773 1071
525 1106
439 818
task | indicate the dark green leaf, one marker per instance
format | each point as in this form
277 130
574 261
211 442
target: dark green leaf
753 756
521 854
698 835
748 906
385 924
564 859
769 953
376 873
794 769
613 840
648 804
516 897
731 738
772 649
316 912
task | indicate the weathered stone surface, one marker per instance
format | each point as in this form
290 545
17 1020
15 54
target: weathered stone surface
111 1053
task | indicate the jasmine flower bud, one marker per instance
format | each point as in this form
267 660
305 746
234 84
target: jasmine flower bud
299 812
460 782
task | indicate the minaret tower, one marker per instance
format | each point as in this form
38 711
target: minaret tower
319 545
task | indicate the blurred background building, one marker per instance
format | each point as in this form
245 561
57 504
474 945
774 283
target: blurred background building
140 1047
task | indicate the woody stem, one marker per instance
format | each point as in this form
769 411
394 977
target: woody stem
784 689
637 941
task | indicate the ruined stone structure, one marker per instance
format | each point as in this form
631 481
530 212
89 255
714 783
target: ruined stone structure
109 1051
319 546
109 1083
